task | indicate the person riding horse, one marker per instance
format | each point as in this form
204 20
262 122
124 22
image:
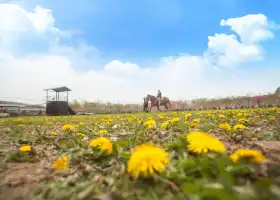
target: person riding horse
156 101
159 95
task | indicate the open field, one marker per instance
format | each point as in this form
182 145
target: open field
265 100
194 156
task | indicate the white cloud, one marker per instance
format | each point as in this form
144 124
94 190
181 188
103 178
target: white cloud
251 28
183 76
15 19
227 51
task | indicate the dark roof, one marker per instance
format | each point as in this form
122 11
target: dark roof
59 89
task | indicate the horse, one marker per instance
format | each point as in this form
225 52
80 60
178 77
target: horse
155 102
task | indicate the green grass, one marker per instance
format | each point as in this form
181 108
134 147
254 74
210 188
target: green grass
95 175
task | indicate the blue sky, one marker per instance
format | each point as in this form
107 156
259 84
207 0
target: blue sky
143 30
131 48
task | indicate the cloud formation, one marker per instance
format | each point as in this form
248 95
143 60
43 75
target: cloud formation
251 28
33 58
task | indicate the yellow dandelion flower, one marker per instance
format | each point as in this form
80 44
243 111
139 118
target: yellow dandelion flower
68 127
161 116
225 127
188 115
146 160
25 148
102 143
175 119
239 127
196 120
164 125
150 123
242 121
239 114
102 131
150 127
61 163
54 133
251 155
200 142
222 116
193 125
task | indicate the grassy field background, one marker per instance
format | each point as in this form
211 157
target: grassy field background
263 100
214 154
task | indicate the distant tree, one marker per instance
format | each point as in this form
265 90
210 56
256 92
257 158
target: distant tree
226 101
248 99
75 104
277 92
201 102
258 99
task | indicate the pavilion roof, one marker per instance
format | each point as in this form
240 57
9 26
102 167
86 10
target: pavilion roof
59 89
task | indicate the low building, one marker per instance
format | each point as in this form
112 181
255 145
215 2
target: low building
179 104
33 108
17 107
